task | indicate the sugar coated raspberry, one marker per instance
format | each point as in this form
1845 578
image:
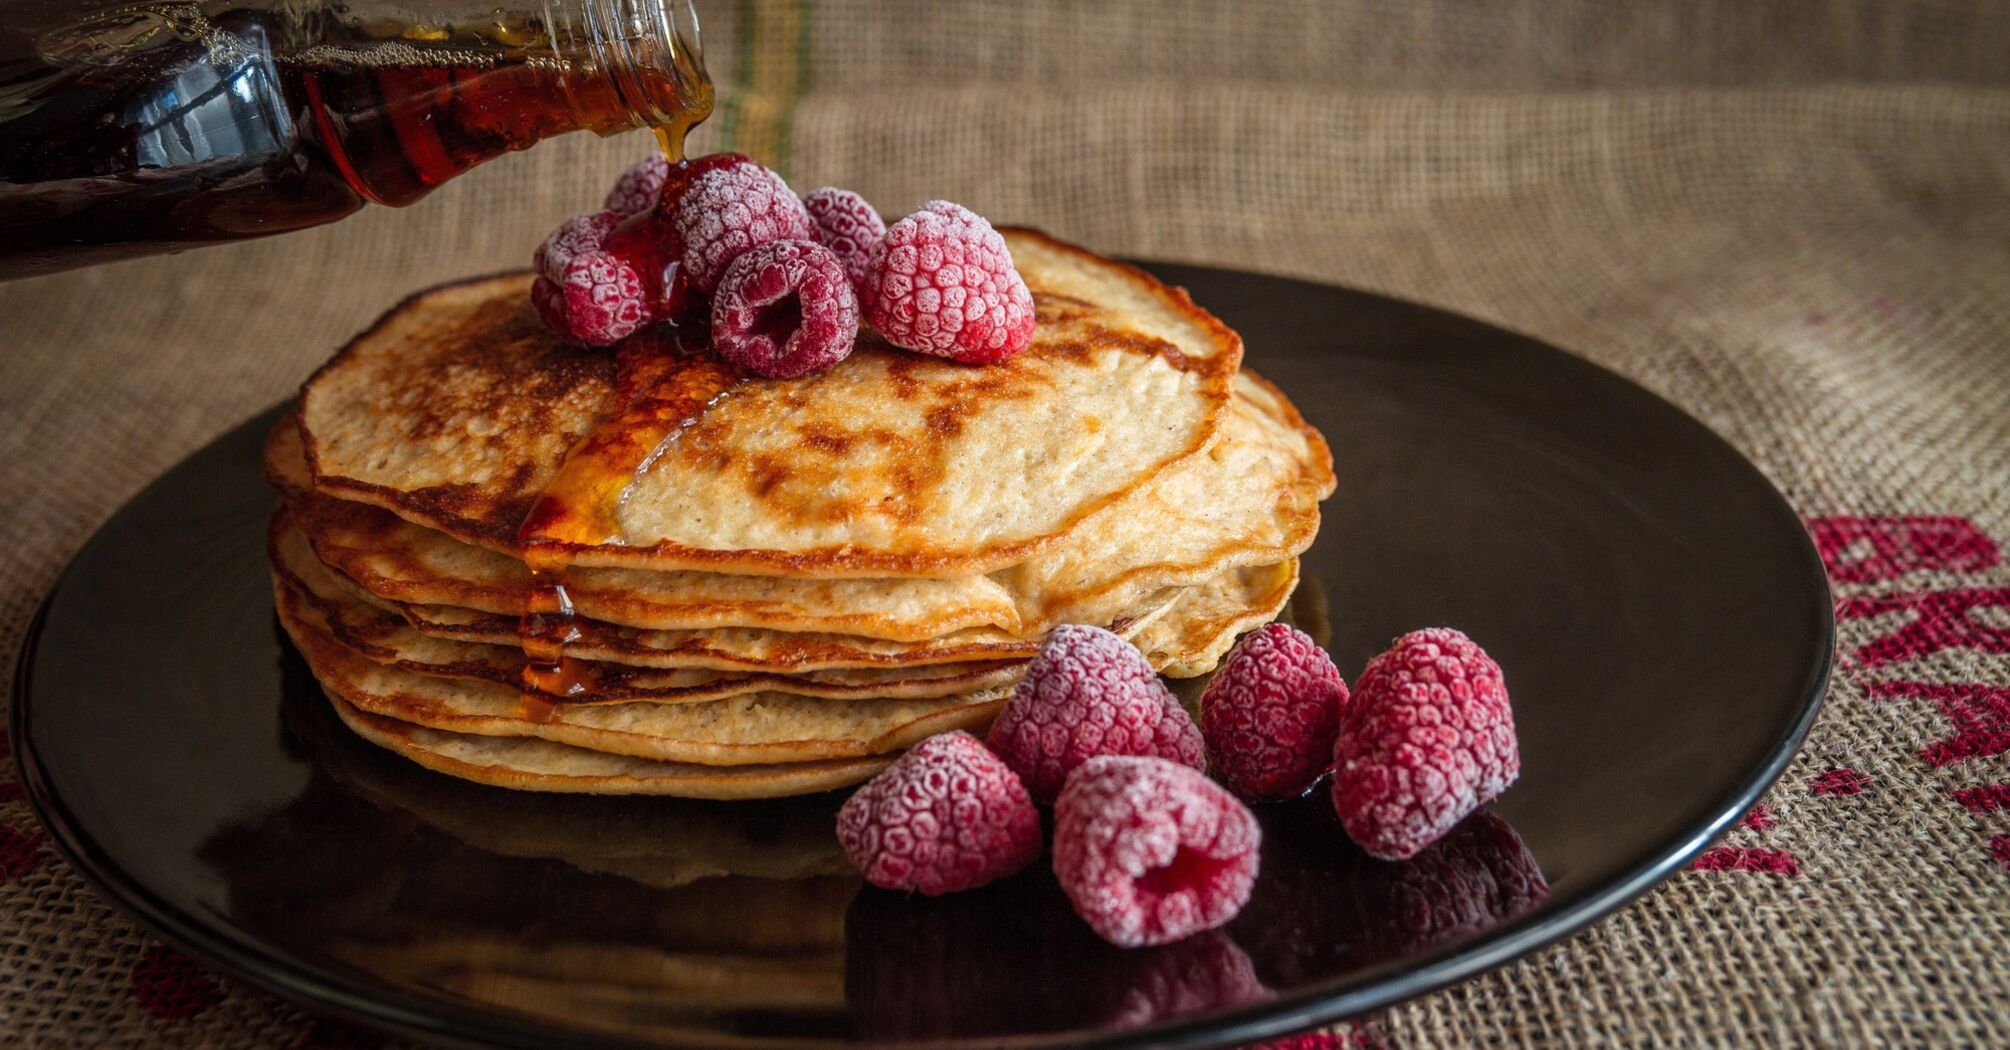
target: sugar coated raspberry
729 209
597 301
1088 692
848 226
1270 714
942 282
784 309
638 188
946 816
586 293
1150 851
581 233
1426 739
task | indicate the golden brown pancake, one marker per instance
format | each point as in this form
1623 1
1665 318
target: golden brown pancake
458 409
1251 498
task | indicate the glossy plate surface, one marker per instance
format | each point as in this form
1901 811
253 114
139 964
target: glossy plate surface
1661 616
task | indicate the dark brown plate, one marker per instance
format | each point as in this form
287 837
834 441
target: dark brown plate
1662 618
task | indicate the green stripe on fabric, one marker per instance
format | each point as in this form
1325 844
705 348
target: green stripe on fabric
772 75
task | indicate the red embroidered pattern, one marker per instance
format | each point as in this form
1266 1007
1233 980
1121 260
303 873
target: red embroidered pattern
1980 714
1985 798
20 853
170 986
1999 847
1348 1037
1877 549
1839 782
1759 819
1740 858
1940 620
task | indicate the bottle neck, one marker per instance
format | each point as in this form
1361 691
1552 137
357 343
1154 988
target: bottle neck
643 56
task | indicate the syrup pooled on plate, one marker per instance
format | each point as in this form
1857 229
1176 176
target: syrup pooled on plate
667 382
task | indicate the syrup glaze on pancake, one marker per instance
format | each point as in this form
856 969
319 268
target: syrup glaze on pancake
458 411
397 560
752 729
1251 498
387 638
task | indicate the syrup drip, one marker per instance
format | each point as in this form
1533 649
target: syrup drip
664 387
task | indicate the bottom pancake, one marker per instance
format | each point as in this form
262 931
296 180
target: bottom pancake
524 764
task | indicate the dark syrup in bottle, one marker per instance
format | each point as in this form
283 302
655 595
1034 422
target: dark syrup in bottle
145 128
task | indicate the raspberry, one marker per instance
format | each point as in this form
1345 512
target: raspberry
785 309
946 816
1150 851
1087 693
1270 714
597 300
1427 739
579 234
942 282
729 209
638 188
849 226
584 292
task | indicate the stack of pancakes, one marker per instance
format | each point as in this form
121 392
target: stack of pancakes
636 572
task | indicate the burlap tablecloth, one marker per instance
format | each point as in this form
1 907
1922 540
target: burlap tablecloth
1790 217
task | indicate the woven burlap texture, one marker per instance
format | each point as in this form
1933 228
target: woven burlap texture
1790 218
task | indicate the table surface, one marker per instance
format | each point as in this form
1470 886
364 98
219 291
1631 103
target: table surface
1791 219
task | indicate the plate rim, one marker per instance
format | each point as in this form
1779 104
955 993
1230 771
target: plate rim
443 1021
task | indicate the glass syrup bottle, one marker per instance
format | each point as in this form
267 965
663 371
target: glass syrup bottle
131 128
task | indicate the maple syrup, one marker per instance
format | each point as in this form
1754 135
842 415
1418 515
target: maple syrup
667 381
129 128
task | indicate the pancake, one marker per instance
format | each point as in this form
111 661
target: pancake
387 638
730 649
1208 618
752 729
1252 498
458 409
526 764
395 559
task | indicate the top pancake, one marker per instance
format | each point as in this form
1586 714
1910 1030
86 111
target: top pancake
457 411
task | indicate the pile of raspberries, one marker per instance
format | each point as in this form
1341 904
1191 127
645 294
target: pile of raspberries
784 281
1146 846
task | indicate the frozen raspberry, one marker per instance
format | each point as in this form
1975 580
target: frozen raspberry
730 209
574 236
584 292
849 226
597 300
942 282
638 188
1270 714
1150 851
1087 693
946 816
1427 739
785 309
